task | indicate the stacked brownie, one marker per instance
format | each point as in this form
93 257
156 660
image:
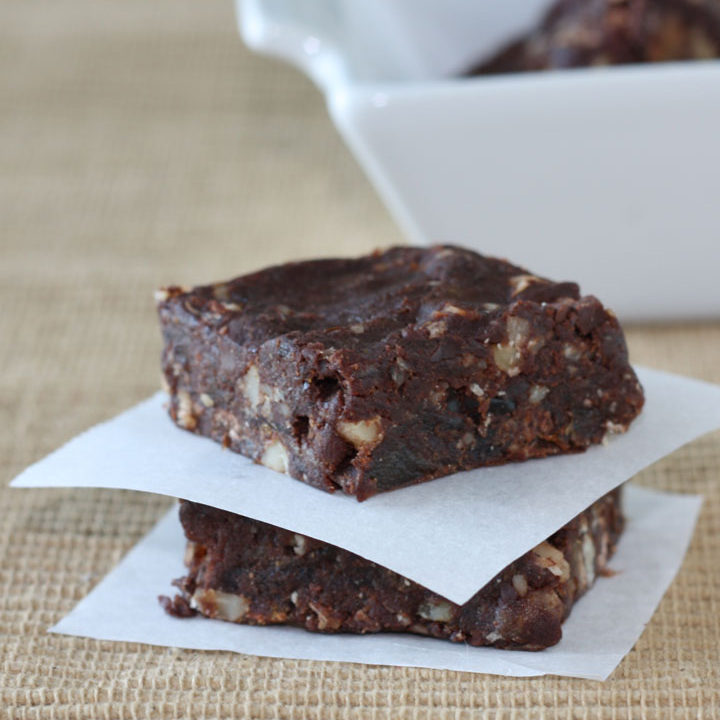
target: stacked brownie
366 375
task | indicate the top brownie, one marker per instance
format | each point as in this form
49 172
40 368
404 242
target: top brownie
582 33
377 372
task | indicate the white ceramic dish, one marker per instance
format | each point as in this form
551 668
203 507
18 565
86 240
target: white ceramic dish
610 177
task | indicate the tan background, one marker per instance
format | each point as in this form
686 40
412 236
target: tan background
141 144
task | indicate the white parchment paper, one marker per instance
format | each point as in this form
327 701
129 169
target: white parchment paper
603 626
451 535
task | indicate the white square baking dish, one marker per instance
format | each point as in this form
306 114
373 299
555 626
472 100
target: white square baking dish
610 176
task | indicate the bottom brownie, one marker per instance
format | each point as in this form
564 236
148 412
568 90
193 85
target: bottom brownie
246 571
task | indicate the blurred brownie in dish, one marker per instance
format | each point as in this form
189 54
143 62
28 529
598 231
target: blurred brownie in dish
246 571
373 373
582 33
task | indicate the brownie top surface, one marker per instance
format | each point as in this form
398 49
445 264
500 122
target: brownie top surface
369 297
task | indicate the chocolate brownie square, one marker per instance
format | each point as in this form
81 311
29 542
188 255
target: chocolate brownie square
246 571
584 33
373 373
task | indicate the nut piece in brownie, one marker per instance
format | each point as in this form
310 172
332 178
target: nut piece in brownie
377 372
246 571
583 33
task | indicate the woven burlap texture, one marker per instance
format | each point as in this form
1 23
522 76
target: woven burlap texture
141 144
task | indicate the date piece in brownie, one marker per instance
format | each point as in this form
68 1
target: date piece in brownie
246 571
373 373
583 33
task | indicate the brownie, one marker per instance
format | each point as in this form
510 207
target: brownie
246 571
373 373
581 33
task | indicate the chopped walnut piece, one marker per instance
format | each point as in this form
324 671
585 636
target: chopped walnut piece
275 457
361 433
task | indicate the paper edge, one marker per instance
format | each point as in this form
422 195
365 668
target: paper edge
457 594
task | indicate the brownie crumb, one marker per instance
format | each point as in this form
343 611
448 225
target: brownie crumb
177 606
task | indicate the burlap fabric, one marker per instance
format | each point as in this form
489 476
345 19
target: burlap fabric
140 144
